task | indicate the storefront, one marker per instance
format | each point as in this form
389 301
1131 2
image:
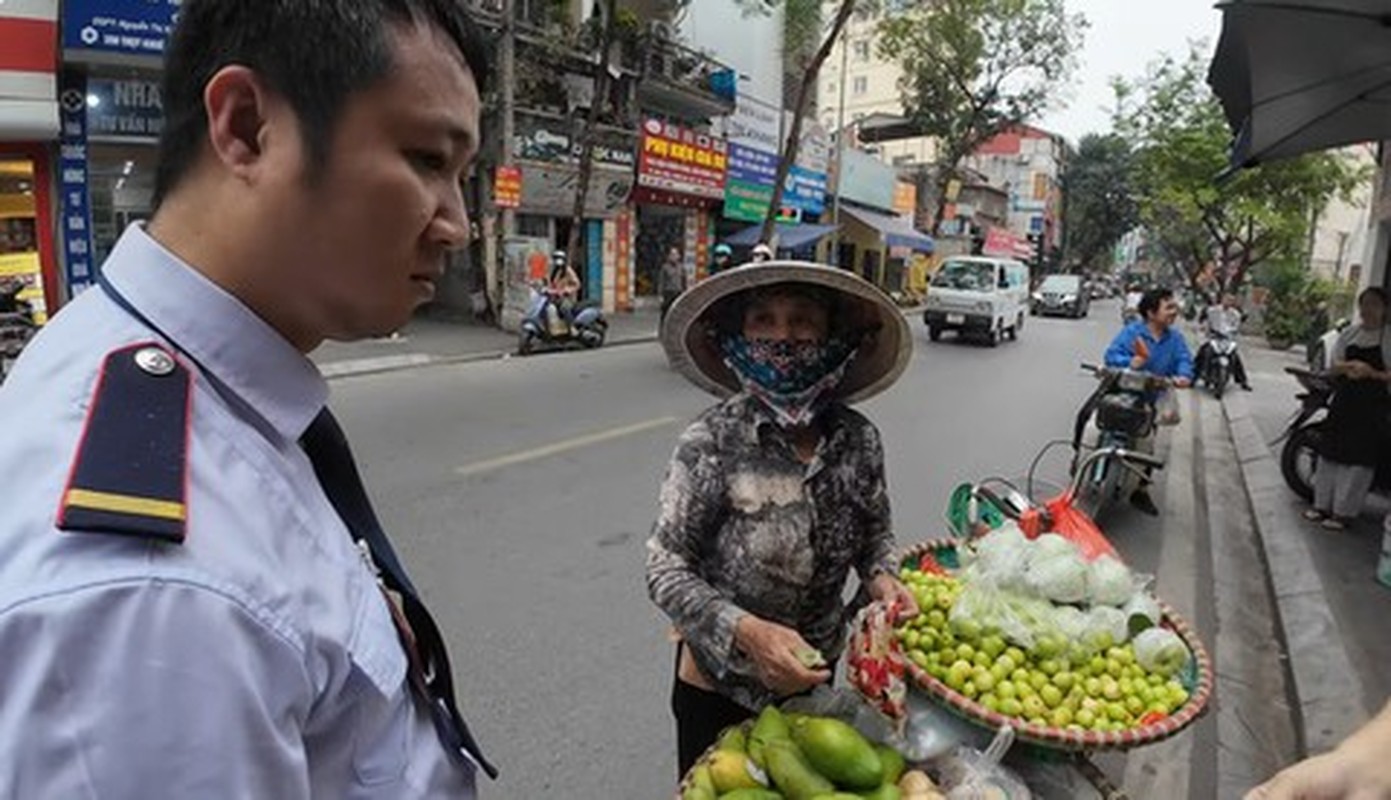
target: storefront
112 116
28 128
548 157
680 184
875 242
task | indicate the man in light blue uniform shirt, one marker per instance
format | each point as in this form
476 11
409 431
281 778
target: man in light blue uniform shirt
190 604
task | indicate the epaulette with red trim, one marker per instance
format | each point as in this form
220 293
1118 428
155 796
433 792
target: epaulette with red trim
129 476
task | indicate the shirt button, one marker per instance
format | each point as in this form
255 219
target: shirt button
154 361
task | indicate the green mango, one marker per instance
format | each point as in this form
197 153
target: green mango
792 774
751 794
888 791
701 779
733 740
892 761
697 793
770 726
838 751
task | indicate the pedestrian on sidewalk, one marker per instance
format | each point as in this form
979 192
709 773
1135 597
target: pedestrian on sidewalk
1356 431
214 610
774 495
671 280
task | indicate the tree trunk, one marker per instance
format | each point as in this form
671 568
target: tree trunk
794 136
587 136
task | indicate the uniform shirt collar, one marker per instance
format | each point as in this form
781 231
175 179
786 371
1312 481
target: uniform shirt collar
243 353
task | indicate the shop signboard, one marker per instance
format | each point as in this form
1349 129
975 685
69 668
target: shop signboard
76 220
805 190
906 199
549 141
124 109
134 27
867 180
551 189
749 188
507 187
678 160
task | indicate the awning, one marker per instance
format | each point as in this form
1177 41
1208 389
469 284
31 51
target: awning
790 237
897 231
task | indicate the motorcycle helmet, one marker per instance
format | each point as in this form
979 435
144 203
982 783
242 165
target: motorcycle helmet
723 250
762 252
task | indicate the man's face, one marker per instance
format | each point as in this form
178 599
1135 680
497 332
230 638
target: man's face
1167 313
368 240
786 317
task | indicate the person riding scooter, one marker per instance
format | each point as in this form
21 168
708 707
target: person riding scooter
1223 322
564 287
1155 346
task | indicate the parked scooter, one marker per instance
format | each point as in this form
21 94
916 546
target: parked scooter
545 325
1217 363
1299 458
1124 408
17 326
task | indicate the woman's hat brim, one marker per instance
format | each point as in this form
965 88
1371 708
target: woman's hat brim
885 349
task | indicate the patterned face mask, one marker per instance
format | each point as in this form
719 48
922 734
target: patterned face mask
791 378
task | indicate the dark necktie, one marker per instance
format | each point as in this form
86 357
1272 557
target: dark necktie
430 675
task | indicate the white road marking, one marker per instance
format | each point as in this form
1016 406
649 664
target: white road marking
563 446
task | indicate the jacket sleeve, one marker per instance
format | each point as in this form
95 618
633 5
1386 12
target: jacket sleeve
876 554
1122 348
691 510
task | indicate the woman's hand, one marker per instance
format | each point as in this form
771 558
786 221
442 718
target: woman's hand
777 651
1356 770
889 590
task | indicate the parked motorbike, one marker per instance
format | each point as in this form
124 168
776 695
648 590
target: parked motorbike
1217 367
544 324
1299 457
1124 408
17 327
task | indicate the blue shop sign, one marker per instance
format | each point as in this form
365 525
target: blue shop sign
76 221
124 108
805 189
136 27
753 166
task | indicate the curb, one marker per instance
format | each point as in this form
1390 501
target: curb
1324 685
351 368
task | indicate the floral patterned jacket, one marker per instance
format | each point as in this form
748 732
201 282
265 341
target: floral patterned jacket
746 527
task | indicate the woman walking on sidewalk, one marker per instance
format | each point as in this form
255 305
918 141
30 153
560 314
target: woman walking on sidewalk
1356 429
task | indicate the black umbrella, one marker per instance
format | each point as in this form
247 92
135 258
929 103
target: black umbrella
1296 76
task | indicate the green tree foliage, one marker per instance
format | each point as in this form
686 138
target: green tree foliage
1196 220
1100 202
975 68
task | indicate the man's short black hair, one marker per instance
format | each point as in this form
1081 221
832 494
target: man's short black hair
1151 301
314 53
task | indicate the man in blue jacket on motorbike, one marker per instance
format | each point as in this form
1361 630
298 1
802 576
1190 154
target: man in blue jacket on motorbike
1152 344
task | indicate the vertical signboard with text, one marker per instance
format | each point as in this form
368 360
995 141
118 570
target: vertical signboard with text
76 221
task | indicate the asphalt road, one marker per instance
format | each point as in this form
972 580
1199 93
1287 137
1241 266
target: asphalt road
520 493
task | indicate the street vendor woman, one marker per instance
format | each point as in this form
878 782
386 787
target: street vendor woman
777 492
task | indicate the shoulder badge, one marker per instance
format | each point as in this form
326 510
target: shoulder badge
130 473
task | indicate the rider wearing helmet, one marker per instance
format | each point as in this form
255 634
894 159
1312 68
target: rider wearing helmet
564 285
724 259
761 253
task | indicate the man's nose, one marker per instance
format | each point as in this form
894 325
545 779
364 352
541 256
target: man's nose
450 227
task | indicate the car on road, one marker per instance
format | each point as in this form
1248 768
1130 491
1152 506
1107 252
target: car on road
978 295
1064 295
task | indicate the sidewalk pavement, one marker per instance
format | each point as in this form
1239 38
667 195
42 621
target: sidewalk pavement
1331 613
426 341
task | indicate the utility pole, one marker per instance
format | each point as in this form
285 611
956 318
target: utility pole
507 79
840 151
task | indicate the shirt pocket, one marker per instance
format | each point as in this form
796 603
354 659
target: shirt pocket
382 716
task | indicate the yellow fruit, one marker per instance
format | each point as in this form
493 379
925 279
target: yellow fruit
701 779
730 771
838 751
792 775
733 740
916 782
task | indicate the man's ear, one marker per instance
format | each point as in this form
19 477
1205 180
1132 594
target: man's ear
236 103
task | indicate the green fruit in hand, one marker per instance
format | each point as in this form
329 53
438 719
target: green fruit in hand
838 751
733 740
770 726
811 658
792 774
892 762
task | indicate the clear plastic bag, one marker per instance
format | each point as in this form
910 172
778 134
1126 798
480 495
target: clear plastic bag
973 775
1166 408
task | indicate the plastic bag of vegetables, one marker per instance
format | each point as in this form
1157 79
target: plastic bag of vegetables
1057 570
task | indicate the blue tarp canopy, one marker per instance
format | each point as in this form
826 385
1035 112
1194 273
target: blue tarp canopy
897 231
790 237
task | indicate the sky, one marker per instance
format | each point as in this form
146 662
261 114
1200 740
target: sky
1124 37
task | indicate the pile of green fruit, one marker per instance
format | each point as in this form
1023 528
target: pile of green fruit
1050 684
798 757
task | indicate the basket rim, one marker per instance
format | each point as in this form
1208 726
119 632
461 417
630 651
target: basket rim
1061 738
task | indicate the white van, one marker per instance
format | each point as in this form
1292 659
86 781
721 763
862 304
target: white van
978 294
